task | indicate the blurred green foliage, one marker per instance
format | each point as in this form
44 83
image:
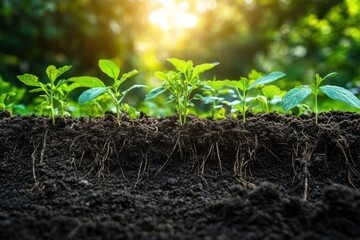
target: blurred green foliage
298 37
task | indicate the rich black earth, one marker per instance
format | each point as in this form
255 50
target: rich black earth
275 177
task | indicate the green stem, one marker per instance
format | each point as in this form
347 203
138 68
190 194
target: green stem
244 106
117 106
180 112
52 108
316 109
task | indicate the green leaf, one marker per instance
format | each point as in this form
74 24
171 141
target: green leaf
110 68
91 94
84 81
62 70
295 96
52 73
271 91
243 84
179 64
203 67
133 87
211 99
36 90
29 80
154 93
162 76
342 94
131 111
129 74
216 84
267 79
241 108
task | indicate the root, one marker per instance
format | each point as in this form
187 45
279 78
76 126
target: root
218 157
202 166
302 172
177 143
349 163
42 153
102 161
33 157
142 169
215 152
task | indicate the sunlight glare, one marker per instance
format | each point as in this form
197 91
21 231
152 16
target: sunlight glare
173 15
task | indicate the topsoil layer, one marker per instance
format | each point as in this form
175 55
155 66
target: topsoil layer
275 177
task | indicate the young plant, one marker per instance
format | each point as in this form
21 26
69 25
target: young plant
243 87
50 91
6 100
214 94
296 95
117 96
180 84
270 93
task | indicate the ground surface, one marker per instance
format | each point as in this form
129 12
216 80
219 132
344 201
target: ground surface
275 177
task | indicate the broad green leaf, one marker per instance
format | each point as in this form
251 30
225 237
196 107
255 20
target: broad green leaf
91 94
110 68
52 73
83 81
271 91
133 87
241 108
294 97
243 84
203 67
62 70
154 93
342 94
162 76
254 75
29 80
179 64
267 79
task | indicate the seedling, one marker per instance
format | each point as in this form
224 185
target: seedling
50 91
242 88
117 96
296 95
269 94
6 100
214 95
180 84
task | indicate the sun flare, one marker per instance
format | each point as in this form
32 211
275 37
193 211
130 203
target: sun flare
176 14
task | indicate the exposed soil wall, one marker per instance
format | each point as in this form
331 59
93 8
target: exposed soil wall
274 177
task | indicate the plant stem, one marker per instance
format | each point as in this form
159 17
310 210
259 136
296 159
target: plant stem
52 108
117 106
316 109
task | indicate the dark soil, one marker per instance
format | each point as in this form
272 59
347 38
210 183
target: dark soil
275 177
